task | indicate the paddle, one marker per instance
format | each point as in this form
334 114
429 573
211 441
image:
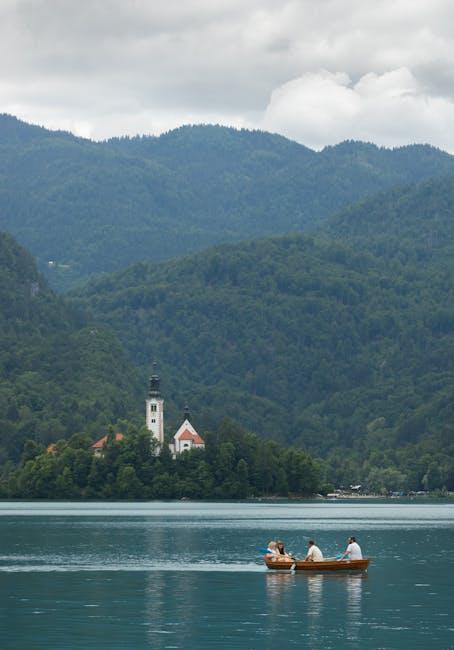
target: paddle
263 551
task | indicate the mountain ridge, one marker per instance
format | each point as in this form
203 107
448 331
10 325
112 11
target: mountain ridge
98 207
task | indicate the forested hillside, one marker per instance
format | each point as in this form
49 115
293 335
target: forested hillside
411 226
59 374
307 341
91 207
342 343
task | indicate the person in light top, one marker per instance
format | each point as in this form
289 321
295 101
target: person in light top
314 554
276 551
272 551
282 552
353 550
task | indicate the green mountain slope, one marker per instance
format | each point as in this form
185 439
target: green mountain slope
59 374
97 207
302 340
409 225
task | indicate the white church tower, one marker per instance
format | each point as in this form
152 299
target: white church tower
155 409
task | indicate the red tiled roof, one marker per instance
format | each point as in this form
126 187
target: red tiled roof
186 435
194 437
99 444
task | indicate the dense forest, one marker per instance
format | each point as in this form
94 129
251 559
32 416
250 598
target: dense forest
234 465
339 343
303 340
59 374
64 380
409 227
87 207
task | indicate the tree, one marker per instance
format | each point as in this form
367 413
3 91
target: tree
128 485
65 487
242 473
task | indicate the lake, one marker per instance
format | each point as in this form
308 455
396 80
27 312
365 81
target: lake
187 575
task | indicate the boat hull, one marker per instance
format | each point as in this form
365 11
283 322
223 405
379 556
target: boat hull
325 565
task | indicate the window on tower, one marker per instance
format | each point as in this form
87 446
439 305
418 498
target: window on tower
154 408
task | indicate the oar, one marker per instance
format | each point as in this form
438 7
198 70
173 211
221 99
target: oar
263 551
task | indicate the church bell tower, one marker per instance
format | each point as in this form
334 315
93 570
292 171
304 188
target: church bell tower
155 409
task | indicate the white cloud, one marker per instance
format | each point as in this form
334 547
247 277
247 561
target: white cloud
311 108
388 109
117 66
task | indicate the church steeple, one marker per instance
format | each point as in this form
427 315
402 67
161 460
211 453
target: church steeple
155 390
186 414
155 409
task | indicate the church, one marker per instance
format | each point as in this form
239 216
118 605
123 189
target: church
185 438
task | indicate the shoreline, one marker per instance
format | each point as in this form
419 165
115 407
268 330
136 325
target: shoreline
268 499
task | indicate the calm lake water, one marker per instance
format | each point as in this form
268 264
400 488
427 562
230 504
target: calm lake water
187 575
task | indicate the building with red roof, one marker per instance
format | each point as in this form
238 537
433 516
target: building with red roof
186 437
98 446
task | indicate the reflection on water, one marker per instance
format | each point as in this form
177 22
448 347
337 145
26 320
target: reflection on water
155 597
170 605
314 593
177 577
314 607
278 582
354 586
313 598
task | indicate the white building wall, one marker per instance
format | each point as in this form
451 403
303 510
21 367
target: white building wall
155 418
179 444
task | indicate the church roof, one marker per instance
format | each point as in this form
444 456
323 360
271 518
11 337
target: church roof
186 435
187 432
99 444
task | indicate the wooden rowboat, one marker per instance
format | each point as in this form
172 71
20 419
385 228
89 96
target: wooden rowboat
325 565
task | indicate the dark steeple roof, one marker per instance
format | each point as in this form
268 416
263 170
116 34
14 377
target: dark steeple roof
155 390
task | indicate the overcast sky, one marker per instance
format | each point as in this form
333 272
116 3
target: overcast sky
317 71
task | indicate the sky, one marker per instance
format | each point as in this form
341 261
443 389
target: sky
316 71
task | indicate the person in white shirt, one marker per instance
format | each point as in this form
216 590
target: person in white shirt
353 550
314 554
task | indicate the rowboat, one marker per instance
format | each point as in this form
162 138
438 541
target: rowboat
325 565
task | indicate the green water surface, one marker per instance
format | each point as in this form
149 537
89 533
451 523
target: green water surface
187 575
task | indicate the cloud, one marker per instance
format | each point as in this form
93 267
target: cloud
128 66
389 109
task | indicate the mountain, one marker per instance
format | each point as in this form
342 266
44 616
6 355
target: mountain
59 373
304 340
84 208
407 225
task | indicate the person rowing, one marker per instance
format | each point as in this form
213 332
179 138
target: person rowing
314 554
353 550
